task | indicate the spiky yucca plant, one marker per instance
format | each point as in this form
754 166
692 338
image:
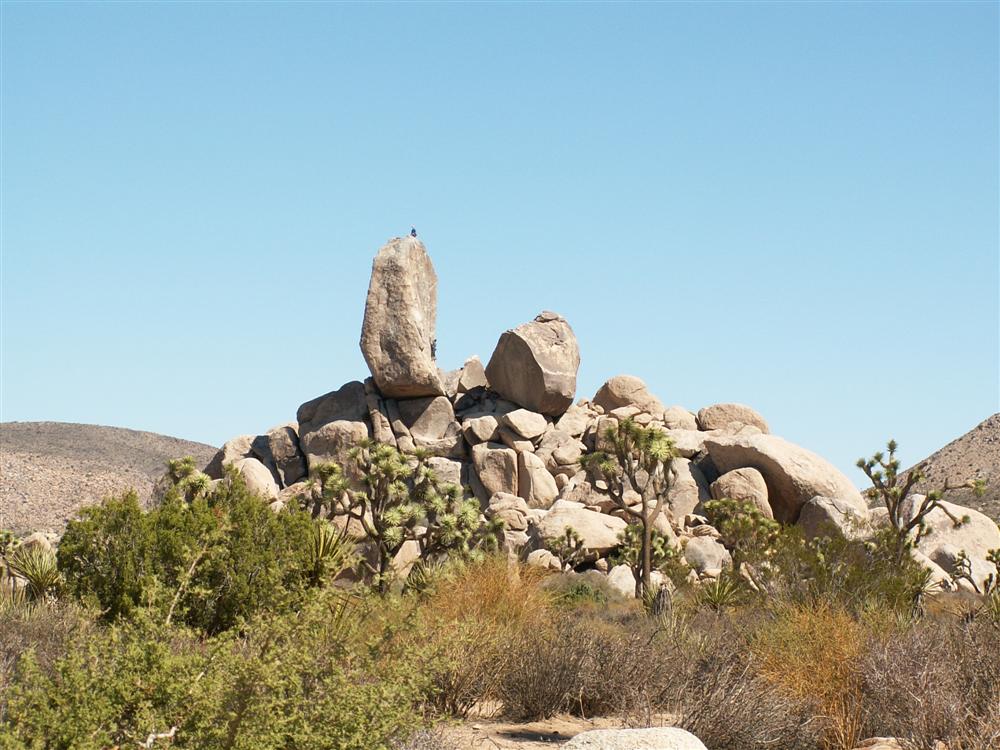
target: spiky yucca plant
183 474
396 497
639 462
891 488
37 567
569 548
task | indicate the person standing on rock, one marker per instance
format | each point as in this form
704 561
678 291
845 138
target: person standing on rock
413 232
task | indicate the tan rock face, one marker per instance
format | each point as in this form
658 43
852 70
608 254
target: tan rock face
688 488
535 484
284 458
349 402
627 390
333 441
598 531
535 365
397 336
496 468
257 477
232 451
730 417
746 485
793 474
976 536
528 424
831 517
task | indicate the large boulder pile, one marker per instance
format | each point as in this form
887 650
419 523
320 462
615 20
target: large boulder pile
512 436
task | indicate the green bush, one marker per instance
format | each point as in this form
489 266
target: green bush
316 678
209 562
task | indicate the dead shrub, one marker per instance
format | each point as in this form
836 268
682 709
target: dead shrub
937 680
471 620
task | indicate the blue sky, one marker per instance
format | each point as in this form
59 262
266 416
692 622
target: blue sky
789 205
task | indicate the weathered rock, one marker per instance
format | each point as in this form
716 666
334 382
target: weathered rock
793 474
622 581
657 738
397 336
745 485
510 509
281 453
976 536
688 488
598 531
832 517
348 403
448 471
725 416
535 484
333 441
627 390
495 468
427 419
542 558
535 365
473 376
679 418
378 415
38 540
231 451
512 440
258 477
704 553
481 429
527 424
575 420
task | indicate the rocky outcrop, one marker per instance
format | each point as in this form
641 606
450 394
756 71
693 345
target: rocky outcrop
657 738
745 485
730 417
598 531
535 365
627 390
831 517
397 336
793 474
976 535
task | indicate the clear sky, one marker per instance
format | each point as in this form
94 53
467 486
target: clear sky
791 205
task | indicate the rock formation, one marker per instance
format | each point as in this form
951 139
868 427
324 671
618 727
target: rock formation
511 436
397 337
535 365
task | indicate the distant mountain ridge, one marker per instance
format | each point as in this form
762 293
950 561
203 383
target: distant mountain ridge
48 470
974 455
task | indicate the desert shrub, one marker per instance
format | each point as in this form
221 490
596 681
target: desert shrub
319 677
211 562
468 624
811 653
546 668
45 629
936 680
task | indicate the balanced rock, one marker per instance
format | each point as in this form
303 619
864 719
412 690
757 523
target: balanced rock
627 390
535 365
655 738
397 336
745 485
730 417
793 474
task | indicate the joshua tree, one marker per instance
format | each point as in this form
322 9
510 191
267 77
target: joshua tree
637 470
397 498
663 556
892 488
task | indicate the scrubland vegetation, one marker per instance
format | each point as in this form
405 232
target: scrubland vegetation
214 622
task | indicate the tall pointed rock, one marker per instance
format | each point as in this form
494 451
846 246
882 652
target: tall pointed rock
397 337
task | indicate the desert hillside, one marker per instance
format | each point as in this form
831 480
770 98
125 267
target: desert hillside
50 469
974 455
